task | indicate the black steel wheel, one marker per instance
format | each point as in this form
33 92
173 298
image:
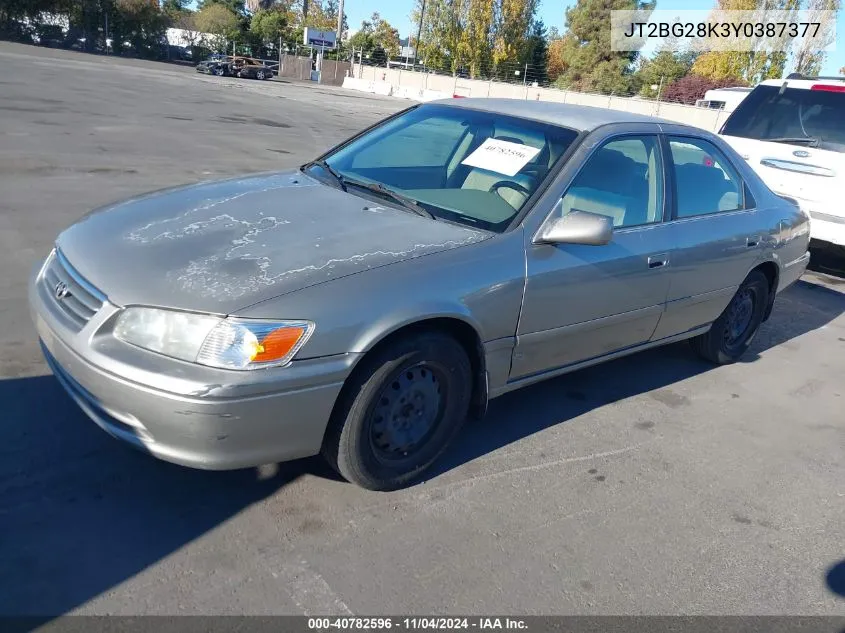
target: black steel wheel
732 333
399 411
407 412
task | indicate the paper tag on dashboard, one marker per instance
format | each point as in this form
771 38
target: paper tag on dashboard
503 157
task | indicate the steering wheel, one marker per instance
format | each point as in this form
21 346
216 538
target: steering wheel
509 184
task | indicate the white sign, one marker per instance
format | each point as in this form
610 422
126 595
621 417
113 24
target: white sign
320 39
503 157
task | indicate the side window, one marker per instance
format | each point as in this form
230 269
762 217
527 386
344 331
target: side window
429 142
706 180
623 180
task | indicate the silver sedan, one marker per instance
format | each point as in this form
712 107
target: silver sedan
365 305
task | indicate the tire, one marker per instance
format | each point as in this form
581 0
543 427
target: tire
259 74
220 72
732 333
399 411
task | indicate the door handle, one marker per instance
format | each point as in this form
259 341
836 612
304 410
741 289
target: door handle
751 242
658 261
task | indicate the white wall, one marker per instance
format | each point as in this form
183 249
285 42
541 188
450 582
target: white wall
418 86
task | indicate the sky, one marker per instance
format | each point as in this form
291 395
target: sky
398 12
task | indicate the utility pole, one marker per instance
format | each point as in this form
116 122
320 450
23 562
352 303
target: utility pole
304 12
525 74
339 20
419 33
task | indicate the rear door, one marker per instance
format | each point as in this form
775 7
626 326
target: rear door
716 229
807 162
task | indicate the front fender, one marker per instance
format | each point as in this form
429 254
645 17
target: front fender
480 284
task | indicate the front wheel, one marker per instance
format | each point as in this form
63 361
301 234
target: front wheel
399 411
259 74
219 72
731 334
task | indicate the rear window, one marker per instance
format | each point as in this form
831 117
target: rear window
791 117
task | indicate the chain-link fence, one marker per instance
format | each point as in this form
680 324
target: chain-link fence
524 75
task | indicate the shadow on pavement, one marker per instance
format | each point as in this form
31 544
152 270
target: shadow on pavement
803 308
80 513
835 578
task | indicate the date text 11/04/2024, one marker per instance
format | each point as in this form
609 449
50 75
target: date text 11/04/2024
415 623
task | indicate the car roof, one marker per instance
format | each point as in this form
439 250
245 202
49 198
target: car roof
731 89
804 84
577 117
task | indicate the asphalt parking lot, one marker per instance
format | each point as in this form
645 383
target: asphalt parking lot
655 484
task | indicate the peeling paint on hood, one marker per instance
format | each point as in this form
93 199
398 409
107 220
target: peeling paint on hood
221 246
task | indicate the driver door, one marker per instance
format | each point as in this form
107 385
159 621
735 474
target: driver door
582 301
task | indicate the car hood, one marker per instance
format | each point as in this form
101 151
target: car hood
221 246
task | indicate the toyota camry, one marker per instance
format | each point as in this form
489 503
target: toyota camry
366 304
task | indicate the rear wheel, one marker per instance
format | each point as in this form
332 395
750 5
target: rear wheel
732 333
399 411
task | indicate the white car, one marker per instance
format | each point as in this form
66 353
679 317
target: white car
792 133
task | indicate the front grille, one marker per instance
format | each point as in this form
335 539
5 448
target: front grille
76 298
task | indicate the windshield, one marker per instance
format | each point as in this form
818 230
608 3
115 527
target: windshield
796 117
462 165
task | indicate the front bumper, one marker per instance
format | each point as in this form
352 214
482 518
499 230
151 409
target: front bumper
186 413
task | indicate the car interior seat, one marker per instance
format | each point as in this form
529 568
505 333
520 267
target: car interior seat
606 185
703 189
528 177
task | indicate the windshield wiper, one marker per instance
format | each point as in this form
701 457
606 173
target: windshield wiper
405 201
805 140
329 169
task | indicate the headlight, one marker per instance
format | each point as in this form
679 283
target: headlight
226 343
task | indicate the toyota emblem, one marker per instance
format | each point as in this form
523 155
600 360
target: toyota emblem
61 290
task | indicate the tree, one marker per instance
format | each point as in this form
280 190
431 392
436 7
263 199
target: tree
808 59
441 33
557 60
237 7
140 23
585 53
269 25
475 44
512 31
755 64
331 10
691 88
664 67
174 7
842 71
538 61
385 35
375 34
222 23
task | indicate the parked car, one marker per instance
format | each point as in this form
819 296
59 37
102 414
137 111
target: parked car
366 304
249 68
792 133
215 65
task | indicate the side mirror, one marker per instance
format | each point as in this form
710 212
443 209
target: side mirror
576 227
